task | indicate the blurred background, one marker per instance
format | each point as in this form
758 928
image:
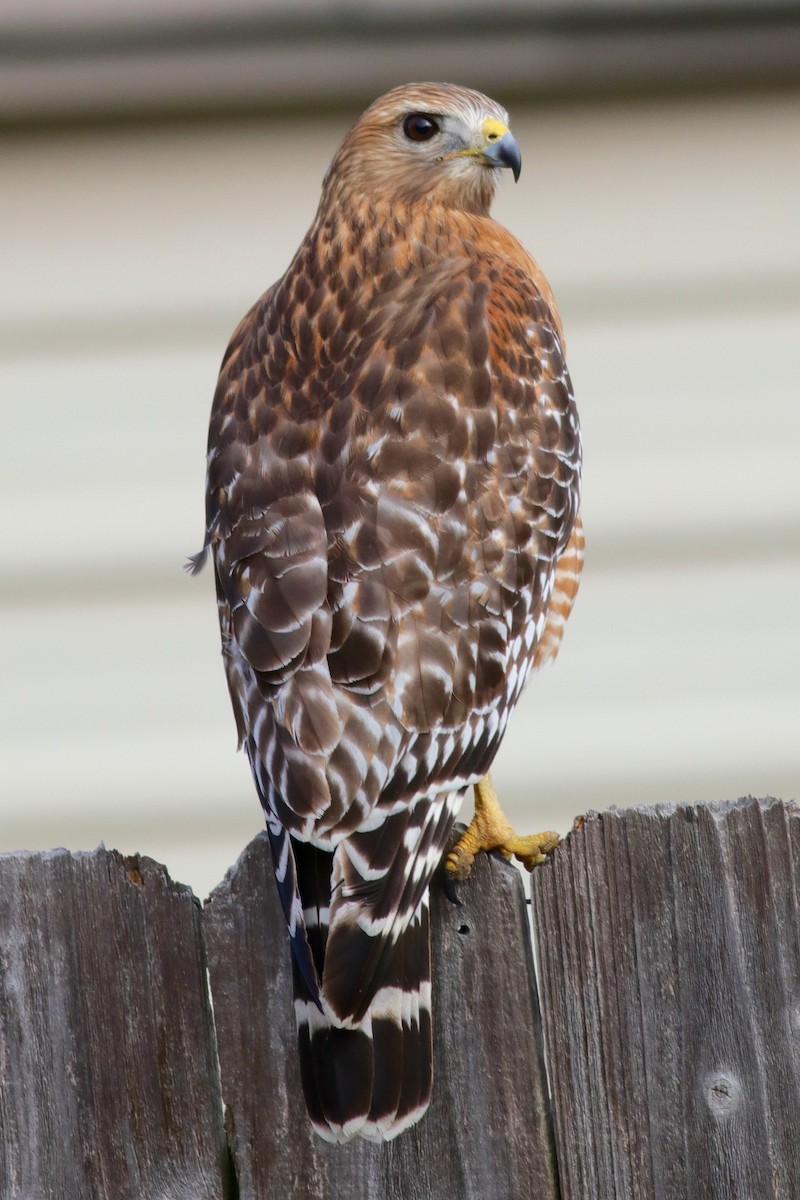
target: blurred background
159 163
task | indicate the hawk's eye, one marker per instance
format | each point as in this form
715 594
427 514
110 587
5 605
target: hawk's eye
420 127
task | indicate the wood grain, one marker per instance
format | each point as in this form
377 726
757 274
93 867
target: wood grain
109 1088
668 944
486 1135
669 958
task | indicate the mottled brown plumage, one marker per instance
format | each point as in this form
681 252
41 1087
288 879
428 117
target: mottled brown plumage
392 508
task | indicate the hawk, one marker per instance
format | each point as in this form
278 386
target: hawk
394 466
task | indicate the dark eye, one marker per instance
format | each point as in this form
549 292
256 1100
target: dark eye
420 127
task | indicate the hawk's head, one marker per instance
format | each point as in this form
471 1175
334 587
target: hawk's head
426 141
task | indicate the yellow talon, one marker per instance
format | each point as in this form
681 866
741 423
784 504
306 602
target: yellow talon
489 829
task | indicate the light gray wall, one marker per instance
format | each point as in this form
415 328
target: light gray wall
67 59
669 230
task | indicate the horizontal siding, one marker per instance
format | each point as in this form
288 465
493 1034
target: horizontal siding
124 227
668 469
670 234
154 58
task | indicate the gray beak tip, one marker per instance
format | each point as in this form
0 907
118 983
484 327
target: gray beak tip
506 153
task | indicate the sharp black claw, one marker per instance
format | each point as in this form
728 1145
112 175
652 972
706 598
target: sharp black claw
450 891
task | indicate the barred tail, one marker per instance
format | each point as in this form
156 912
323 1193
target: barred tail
360 930
373 1077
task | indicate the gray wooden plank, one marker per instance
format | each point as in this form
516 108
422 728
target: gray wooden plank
486 1135
668 944
109 1083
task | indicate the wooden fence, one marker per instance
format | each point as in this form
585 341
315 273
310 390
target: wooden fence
668 947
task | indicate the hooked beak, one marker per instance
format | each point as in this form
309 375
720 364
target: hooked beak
503 151
495 146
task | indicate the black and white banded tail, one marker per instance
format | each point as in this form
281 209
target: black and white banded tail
361 960
372 1077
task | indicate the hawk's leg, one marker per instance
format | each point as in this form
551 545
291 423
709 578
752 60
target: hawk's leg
489 829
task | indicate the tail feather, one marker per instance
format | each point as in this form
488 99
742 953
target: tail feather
369 917
360 929
308 942
313 883
413 1063
336 1069
388 1043
373 1079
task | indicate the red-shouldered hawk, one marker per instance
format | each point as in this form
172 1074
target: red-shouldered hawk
394 469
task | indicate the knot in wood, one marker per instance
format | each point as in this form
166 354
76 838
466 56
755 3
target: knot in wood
723 1093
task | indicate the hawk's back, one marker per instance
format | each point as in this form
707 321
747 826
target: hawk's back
394 476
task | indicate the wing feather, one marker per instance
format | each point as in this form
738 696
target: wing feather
393 486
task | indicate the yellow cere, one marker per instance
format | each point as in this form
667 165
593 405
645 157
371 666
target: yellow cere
493 130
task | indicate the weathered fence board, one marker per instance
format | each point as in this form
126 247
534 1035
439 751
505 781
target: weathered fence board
668 944
486 1135
109 1086
669 965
